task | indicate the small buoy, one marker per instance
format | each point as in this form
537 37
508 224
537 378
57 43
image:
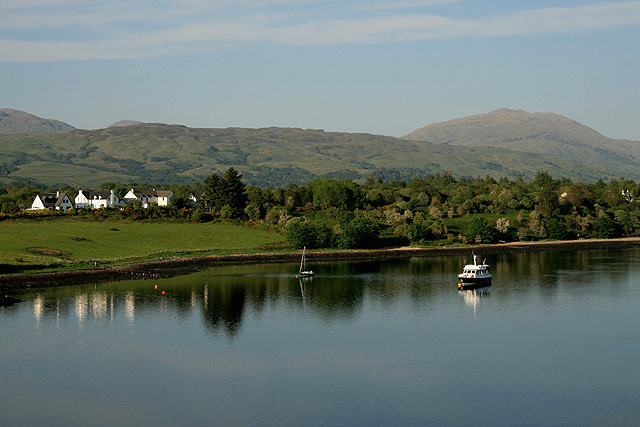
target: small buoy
162 292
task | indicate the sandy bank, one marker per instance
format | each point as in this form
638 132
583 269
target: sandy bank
177 266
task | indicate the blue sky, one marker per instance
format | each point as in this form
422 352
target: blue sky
383 67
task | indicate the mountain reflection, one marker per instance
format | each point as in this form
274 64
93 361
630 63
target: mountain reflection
223 296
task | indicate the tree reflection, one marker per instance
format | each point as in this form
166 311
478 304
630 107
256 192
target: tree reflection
224 295
224 308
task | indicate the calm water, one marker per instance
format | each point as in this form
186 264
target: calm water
555 341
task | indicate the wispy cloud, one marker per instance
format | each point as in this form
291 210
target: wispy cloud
63 30
402 4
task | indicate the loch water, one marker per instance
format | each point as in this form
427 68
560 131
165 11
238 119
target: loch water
554 341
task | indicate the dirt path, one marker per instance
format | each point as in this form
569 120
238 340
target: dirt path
177 266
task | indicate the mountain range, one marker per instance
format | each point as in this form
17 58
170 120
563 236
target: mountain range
15 121
502 143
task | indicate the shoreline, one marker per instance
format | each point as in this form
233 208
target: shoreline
180 266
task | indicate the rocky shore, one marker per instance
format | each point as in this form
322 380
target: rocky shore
176 266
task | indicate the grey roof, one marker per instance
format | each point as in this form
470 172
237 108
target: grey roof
52 200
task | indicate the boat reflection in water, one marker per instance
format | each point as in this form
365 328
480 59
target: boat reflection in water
304 281
473 296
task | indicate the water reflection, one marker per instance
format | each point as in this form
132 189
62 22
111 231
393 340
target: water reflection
221 297
43 307
304 281
473 297
393 343
225 307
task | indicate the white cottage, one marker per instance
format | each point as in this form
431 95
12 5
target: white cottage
97 199
163 197
53 201
195 198
147 197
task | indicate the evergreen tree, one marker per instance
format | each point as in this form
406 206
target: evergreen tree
234 192
604 227
226 190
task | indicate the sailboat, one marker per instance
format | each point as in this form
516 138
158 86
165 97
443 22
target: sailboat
303 266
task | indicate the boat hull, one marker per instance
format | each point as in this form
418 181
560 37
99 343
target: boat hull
473 282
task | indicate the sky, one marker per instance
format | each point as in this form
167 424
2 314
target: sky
383 67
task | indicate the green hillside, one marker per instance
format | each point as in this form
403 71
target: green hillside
15 121
162 154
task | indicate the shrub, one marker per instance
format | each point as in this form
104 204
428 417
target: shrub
479 230
359 233
301 232
555 229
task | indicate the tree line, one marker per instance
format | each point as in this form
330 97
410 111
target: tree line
436 209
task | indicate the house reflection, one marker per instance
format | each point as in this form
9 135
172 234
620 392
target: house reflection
222 297
43 308
221 302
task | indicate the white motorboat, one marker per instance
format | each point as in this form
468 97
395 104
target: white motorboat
474 275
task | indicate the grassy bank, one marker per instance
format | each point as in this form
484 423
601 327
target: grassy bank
170 267
65 244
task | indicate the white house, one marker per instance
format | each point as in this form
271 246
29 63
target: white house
54 201
147 197
163 197
195 198
97 199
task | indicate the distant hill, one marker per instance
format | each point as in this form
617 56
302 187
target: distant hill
125 123
539 133
14 121
161 154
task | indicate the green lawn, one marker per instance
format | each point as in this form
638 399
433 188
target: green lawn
71 243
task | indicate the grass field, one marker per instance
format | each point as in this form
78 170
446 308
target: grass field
67 244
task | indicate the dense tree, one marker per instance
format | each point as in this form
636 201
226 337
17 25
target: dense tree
547 203
181 198
420 229
604 227
543 180
479 230
341 195
225 190
425 211
212 189
14 198
301 233
555 229
359 233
